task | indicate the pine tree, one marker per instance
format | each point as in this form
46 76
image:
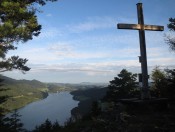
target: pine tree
18 23
170 40
12 123
123 86
159 82
45 127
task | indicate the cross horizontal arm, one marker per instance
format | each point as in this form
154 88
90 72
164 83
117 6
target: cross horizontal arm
154 27
139 27
128 26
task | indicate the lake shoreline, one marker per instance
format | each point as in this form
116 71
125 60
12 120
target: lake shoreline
56 107
44 95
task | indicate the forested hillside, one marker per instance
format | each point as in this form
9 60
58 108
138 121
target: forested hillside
18 93
87 97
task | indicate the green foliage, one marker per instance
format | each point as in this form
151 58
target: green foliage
171 25
47 126
18 23
19 20
170 84
170 40
157 75
12 123
15 123
96 110
86 97
159 84
123 86
14 62
164 83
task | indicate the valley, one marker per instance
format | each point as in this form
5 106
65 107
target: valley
18 93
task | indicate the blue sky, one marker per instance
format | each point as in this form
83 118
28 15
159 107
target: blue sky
79 41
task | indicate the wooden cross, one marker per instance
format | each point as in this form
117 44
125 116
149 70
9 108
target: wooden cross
145 94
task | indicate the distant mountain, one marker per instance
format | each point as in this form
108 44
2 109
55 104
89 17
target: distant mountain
34 83
7 80
95 84
30 83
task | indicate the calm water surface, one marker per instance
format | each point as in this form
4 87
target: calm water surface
57 106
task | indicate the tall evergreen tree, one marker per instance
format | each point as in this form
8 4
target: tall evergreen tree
159 82
123 86
48 126
170 86
18 23
164 83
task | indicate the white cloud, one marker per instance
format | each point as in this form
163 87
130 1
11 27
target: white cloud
162 61
49 15
49 33
65 50
92 23
101 67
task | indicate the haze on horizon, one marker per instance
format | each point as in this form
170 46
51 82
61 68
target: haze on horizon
79 41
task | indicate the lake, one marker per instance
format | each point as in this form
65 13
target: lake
57 106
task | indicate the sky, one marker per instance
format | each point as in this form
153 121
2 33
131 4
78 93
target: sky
80 42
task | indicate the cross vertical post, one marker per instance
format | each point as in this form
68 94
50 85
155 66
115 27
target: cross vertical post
145 90
141 27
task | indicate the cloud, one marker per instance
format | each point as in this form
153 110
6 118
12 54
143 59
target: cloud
70 52
62 50
49 33
66 51
92 23
157 52
162 61
49 15
69 67
79 72
100 68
